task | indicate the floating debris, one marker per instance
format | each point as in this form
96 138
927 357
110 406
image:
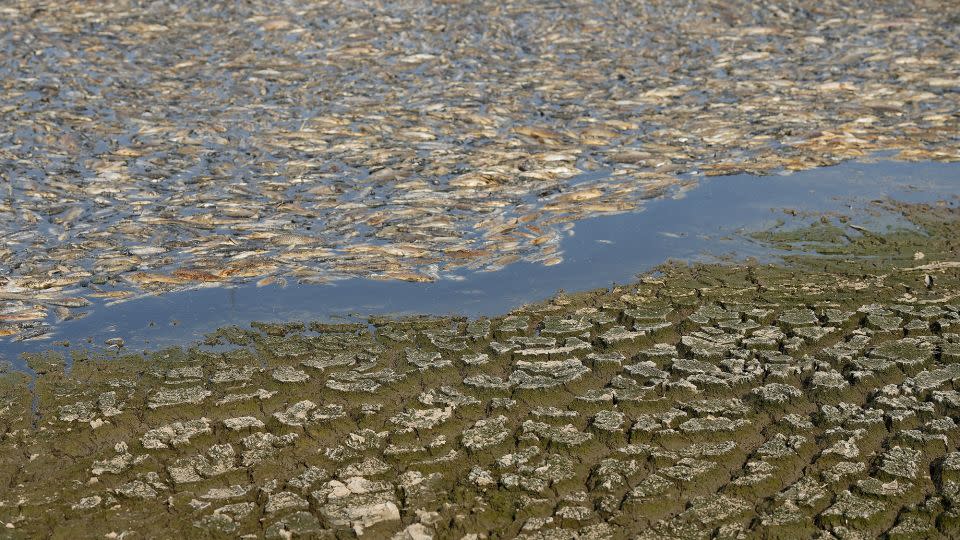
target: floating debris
154 148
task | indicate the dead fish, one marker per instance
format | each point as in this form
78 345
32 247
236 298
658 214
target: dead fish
31 334
112 294
144 251
69 216
61 313
542 135
144 278
8 330
195 275
24 315
403 276
70 302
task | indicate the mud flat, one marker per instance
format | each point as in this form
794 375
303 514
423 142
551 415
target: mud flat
706 400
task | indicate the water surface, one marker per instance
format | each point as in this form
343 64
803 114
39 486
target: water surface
705 223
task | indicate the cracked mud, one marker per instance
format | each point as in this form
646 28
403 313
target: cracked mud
816 399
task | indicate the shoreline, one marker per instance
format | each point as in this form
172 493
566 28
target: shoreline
790 395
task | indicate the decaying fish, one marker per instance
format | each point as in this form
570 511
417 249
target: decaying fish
454 135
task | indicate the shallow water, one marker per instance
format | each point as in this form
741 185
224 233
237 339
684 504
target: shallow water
406 140
704 223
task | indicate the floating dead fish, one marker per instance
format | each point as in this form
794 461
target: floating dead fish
466 146
70 302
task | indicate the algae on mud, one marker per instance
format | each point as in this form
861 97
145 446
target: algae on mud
747 400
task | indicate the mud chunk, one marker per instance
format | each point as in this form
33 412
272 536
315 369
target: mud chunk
542 375
175 434
686 366
651 487
706 407
767 337
229 375
933 379
781 446
421 419
910 353
709 346
426 360
325 413
619 335
481 477
805 493
777 393
878 488
828 382
447 396
491 382
553 468
363 381
323 363
793 318
612 473
81 411
136 489
899 462
284 501
713 510
118 463
851 509
357 503
260 394
711 424
813 334
564 327
242 422
232 492
843 470
297 525
87 503
288 374
609 421
166 397
261 445
485 433
566 435
370 466
310 476
297 414
218 459
888 324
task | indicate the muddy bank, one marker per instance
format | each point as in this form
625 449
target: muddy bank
701 400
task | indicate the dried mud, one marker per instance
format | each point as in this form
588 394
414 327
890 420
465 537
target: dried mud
146 148
817 399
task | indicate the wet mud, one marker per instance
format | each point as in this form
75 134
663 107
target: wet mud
815 397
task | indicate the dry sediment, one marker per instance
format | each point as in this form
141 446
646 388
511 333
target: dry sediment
702 401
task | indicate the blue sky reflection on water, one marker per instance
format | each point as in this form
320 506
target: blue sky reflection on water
707 222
